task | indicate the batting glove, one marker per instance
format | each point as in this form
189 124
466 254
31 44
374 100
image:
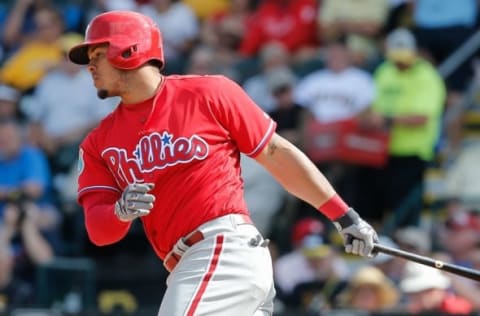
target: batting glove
358 236
134 202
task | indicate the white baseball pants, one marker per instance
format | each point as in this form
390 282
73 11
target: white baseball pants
229 272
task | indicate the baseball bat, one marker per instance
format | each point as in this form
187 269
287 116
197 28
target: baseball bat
438 264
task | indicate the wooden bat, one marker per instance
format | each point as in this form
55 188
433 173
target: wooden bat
438 264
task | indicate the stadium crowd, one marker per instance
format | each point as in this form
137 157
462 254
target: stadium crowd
357 84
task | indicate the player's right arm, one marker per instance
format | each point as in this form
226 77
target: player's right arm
299 175
97 194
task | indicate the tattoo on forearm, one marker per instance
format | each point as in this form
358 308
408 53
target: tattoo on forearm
272 147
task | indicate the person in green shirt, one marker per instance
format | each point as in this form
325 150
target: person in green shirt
409 103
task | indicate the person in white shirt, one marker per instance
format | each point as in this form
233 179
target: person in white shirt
338 91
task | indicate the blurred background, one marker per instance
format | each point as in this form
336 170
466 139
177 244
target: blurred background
383 95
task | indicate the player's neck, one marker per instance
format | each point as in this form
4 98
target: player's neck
142 88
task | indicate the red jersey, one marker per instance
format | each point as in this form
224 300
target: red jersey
187 141
293 23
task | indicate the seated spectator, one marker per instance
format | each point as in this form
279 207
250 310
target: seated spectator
414 239
63 109
369 289
35 57
19 26
459 235
203 61
427 290
409 103
180 30
291 22
272 55
287 113
361 22
224 32
27 213
9 102
320 276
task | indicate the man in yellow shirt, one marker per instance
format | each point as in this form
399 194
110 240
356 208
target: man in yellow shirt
409 102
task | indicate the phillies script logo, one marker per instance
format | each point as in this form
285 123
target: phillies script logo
154 152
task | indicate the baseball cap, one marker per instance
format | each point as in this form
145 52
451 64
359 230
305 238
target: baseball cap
419 278
9 93
280 78
313 246
305 227
401 46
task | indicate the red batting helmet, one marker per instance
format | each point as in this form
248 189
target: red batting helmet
133 39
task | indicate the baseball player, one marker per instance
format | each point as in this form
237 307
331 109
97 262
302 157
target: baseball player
169 155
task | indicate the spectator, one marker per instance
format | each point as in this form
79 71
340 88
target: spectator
391 266
203 61
320 274
19 26
30 221
9 102
361 22
224 32
409 102
287 113
63 109
180 30
427 290
291 22
370 290
459 235
26 67
272 55
414 239
338 92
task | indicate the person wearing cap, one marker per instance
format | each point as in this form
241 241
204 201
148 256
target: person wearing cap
369 289
287 113
409 103
271 56
319 272
428 290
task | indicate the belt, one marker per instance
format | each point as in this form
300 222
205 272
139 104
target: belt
172 258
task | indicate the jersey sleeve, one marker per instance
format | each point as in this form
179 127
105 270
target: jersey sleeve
94 174
248 125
